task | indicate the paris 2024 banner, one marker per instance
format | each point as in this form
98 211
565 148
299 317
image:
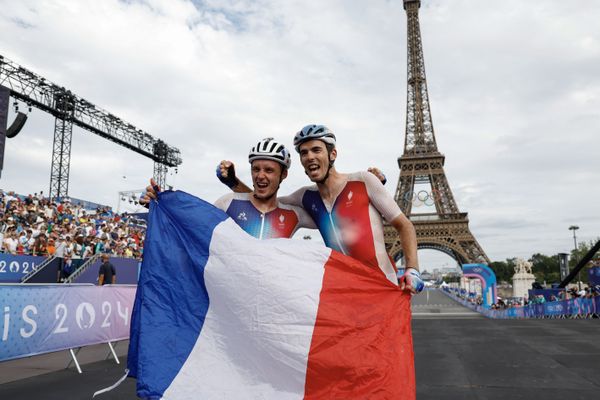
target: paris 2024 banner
42 319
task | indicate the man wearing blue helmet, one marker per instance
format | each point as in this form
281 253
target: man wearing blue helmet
349 209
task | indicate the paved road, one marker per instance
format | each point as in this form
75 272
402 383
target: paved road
435 304
460 356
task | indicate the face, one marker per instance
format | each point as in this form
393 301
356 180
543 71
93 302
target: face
266 177
315 159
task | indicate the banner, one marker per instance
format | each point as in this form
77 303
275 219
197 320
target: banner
579 306
13 267
41 319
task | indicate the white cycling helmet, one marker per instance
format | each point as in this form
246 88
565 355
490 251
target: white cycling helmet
270 149
312 132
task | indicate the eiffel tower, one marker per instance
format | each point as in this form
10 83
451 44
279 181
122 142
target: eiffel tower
446 229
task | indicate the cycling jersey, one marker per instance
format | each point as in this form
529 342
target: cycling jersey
353 224
282 222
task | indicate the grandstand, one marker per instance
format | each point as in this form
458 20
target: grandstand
38 233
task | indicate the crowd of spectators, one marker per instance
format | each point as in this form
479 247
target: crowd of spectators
512 302
37 225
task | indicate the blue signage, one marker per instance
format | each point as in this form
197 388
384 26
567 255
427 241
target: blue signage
487 278
13 268
579 306
41 319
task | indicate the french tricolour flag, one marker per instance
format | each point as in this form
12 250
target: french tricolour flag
221 315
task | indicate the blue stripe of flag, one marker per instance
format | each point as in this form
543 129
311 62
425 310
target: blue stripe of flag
171 300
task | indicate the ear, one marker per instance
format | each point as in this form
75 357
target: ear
284 174
333 154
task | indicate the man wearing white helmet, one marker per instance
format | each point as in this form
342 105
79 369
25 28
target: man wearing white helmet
259 212
349 209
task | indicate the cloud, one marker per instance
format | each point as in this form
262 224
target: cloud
513 86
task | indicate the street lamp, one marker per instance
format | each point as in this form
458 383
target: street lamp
574 229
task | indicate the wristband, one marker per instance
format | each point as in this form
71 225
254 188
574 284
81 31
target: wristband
231 180
384 181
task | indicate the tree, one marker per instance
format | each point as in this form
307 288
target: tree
545 268
577 254
504 270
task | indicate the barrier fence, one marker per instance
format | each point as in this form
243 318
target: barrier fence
574 308
40 319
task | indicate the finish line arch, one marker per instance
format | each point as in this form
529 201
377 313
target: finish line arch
485 274
487 278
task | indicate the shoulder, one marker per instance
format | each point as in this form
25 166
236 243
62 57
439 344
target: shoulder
364 176
296 197
223 202
304 189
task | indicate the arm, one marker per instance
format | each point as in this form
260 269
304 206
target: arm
101 279
408 238
411 280
388 208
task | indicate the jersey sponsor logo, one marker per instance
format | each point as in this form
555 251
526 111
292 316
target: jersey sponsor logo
242 216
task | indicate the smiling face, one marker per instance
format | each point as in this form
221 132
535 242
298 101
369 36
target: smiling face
266 177
315 159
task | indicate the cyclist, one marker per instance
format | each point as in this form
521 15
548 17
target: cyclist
348 209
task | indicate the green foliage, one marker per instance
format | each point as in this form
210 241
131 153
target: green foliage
545 268
503 270
452 278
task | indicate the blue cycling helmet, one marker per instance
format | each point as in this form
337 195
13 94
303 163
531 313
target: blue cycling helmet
312 132
270 149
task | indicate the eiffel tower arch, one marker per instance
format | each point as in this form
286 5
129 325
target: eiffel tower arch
445 228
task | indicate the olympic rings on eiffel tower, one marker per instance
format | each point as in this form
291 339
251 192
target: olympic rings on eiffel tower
422 198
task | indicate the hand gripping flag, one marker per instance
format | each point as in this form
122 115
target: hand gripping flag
221 315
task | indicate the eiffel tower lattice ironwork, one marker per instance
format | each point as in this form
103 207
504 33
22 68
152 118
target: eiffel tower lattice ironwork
446 229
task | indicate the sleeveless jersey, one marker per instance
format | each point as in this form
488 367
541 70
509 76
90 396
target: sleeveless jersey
353 224
282 222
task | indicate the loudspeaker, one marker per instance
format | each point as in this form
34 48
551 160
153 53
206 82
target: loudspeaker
17 125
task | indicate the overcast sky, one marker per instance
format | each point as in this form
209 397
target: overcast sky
514 89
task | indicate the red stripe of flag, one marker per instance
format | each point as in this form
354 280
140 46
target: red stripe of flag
362 342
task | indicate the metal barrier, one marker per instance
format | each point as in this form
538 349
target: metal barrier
579 308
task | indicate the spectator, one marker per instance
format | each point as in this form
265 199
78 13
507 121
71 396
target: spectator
106 274
66 269
25 218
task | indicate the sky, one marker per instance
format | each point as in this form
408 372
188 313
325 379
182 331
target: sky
513 86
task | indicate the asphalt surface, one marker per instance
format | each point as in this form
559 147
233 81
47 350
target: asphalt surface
458 355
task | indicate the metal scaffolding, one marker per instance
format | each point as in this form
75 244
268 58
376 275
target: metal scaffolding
70 109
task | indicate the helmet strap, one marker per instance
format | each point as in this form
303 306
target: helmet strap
328 168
